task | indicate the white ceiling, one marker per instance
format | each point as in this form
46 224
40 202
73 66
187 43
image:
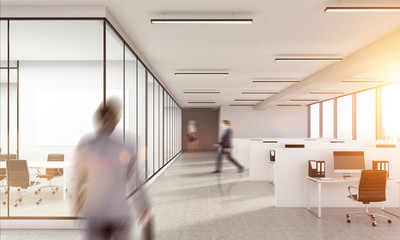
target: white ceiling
280 28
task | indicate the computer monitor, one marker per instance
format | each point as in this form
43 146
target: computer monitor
347 162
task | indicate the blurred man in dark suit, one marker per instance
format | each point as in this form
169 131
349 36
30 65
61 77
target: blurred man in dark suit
225 147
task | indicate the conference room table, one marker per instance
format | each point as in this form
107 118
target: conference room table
322 181
46 164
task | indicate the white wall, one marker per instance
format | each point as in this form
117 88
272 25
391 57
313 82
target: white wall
69 115
274 122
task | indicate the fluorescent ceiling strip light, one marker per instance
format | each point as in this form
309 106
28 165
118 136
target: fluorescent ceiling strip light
304 100
201 92
322 92
362 9
202 108
201 102
201 73
265 92
275 81
288 105
249 100
240 105
307 59
201 21
362 81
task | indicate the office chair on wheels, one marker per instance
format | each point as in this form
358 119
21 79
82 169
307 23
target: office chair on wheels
52 172
372 188
18 176
3 171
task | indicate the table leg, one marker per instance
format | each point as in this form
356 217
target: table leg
319 200
399 205
65 184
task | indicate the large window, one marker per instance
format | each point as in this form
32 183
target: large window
150 121
366 115
130 97
141 115
327 111
390 112
58 73
314 120
344 117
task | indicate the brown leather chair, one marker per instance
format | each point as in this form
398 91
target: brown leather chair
52 172
18 176
372 188
3 171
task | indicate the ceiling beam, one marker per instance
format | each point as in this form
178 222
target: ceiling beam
377 54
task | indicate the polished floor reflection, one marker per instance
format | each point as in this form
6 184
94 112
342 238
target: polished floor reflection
192 203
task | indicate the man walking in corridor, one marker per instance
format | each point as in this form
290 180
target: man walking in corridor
225 147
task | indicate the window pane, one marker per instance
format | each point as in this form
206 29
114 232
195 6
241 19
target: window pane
156 126
314 120
390 114
161 126
366 116
165 128
115 70
3 108
327 118
142 114
344 115
150 125
130 97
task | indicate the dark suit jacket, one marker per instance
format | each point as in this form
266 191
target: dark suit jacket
225 141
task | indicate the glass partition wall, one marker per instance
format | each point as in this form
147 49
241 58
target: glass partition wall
53 76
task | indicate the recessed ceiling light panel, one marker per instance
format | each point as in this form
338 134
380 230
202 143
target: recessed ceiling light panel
326 92
201 21
241 105
362 81
201 73
275 81
200 102
307 59
288 105
202 92
259 92
249 100
304 100
202 108
362 9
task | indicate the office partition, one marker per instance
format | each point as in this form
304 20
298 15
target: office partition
54 74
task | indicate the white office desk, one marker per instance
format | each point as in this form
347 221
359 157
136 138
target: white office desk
320 181
45 164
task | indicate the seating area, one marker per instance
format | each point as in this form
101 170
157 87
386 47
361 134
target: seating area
24 184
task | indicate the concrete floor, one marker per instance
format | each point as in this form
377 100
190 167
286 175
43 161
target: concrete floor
191 203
